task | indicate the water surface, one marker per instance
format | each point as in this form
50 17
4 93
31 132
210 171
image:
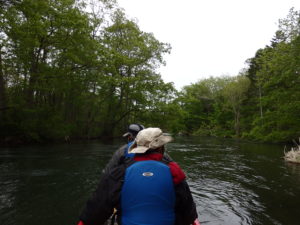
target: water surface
232 182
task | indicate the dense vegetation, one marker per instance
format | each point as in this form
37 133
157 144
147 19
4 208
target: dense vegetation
262 102
69 68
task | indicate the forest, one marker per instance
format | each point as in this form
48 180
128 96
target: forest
73 69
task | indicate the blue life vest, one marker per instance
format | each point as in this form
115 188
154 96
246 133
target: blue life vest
129 155
148 196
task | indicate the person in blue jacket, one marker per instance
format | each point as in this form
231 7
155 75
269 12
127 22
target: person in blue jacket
147 189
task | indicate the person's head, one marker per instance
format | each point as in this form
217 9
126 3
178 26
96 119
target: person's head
132 131
151 138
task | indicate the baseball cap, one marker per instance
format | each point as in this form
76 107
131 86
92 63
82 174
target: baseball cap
133 129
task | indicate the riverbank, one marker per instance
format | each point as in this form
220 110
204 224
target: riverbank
18 141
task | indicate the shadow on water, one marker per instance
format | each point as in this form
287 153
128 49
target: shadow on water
232 182
50 184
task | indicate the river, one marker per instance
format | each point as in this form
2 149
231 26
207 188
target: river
232 182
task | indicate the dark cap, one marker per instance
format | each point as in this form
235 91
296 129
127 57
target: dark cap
133 129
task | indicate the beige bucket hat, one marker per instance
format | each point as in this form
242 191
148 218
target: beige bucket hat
149 138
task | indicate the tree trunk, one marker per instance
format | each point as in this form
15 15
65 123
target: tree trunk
32 80
3 100
236 111
108 125
237 123
260 105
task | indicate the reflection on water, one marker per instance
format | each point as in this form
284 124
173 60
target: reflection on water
232 182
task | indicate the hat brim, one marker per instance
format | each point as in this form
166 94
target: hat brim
160 141
138 149
127 134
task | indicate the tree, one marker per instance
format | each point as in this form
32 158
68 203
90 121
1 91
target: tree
274 74
48 55
132 59
203 107
235 94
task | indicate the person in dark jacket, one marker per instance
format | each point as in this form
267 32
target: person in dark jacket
147 189
132 131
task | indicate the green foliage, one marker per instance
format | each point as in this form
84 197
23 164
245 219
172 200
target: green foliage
66 72
212 105
261 104
278 78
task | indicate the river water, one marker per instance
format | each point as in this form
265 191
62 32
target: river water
232 182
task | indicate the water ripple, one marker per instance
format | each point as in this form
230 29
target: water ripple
233 183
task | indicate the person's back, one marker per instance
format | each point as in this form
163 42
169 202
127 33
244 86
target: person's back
148 192
147 189
153 187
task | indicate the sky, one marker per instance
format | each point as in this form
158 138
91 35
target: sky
208 37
